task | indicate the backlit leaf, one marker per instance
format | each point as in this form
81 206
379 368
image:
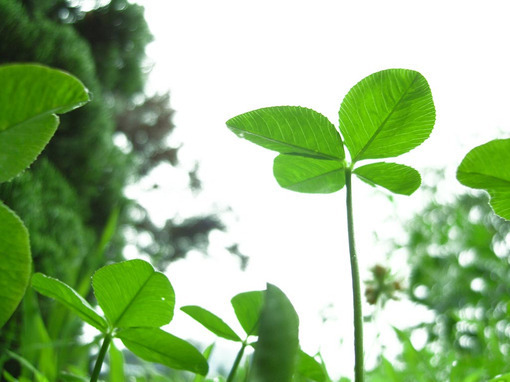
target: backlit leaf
395 177
290 130
156 345
309 368
132 294
501 378
15 262
387 114
66 295
247 307
30 98
310 175
487 167
211 322
276 350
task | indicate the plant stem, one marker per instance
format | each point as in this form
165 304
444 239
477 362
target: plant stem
100 357
356 287
239 356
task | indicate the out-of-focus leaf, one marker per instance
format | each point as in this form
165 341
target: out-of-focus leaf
30 98
395 177
487 167
132 294
501 378
247 307
66 295
211 322
290 130
309 368
277 348
116 364
387 114
207 354
310 175
15 262
156 345
39 377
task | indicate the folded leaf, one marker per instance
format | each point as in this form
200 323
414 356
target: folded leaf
487 167
387 114
310 175
277 348
309 368
131 294
156 345
395 177
290 130
30 96
66 295
211 322
15 262
247 307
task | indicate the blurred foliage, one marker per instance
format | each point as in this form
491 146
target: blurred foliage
458 252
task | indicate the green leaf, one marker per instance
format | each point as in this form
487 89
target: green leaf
156 345
309 368
207 354
211 322
487 167
247 307
116 372
66 295
290 130
304 174
30 96
132 294
277 348
501 378
395 177
15 262
387 114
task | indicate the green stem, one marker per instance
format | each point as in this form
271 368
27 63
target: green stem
356 287
100 357
239 356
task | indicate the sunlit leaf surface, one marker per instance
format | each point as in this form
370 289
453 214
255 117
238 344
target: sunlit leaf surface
247 307
211 322
395 177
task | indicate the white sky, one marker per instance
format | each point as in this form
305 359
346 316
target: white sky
225 57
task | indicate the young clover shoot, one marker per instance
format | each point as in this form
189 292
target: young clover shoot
384 115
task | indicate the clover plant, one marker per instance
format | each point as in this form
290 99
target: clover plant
136 301
384 115
30 98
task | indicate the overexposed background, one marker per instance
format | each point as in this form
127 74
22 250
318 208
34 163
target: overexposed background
226 57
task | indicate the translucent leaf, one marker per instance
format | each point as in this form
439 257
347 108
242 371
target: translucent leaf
395 177
132 294
116 372
387 114
156 345
290 130
15 262
66 295
277 348
310 175
487 167
247 307
211 322
501 378
30 96
309 368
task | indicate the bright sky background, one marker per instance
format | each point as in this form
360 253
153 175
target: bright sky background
225 57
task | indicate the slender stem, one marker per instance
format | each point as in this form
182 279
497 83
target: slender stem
100 357
233 371
356 287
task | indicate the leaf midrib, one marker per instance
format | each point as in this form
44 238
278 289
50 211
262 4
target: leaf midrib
378 130
491 177
312 153
131 302
318 176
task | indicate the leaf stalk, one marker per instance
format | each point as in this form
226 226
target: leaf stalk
100 357
235 366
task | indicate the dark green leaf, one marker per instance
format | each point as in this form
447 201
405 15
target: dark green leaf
156 345
211 322
30 96
15 262
387 114
133 294
277 348
304 174
487 167
247 307
290 130
66 295
395 177
309 368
